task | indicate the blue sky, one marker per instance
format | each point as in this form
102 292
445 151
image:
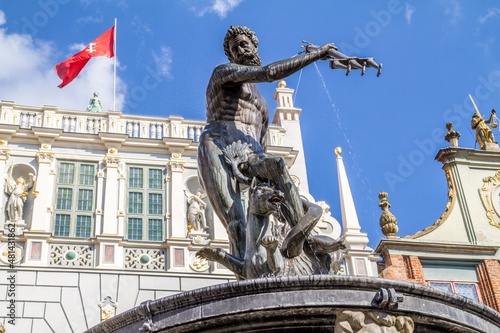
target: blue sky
434 54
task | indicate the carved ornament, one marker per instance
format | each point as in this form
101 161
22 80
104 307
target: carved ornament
112 161
4 154
372 322
490 197
7 251
108 308
197 263
388 222
45 156
176 166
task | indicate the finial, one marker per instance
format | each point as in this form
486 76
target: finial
388 221
338 151
282 84
452 135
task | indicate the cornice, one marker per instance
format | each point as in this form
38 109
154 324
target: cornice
435 247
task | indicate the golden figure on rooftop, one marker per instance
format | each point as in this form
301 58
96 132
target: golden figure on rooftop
484 135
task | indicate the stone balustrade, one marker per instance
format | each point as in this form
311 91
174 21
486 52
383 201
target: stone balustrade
93 123
112 122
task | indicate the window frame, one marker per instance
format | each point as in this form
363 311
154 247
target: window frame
69 194
148 214
454 290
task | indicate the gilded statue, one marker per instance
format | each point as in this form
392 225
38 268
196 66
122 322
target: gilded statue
483 132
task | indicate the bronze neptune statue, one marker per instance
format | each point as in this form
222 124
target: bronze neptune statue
231 155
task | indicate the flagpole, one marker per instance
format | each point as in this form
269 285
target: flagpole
114 71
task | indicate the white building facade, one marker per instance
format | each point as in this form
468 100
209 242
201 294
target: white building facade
103 202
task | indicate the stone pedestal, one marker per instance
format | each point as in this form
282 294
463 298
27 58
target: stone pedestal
198 238
491 146
17 227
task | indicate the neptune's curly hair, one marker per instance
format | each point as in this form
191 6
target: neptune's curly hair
234 31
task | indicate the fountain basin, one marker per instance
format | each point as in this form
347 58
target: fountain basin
317 303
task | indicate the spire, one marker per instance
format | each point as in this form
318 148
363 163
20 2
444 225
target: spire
353 237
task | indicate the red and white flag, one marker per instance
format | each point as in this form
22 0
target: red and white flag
101 46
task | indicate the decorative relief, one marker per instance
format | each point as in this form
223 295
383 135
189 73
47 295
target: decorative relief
71 255
176 166
4 154
198 263
112 161
490 196
108 308
5 251
145 259
372 322
45 156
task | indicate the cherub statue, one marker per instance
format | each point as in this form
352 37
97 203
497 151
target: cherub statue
94 104
18 192
196 212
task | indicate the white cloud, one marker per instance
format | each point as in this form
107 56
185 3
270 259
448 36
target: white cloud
219 7
140 26
487 45
492 12
163 61
2 17
409 11
453 10
91 19
27 75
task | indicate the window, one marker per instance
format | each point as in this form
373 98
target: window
145 204
466 289
75 199
454 277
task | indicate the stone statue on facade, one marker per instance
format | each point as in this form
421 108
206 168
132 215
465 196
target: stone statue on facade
196 212
94 104
231 147
18 193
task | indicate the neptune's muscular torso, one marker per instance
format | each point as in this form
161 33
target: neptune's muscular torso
236 110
